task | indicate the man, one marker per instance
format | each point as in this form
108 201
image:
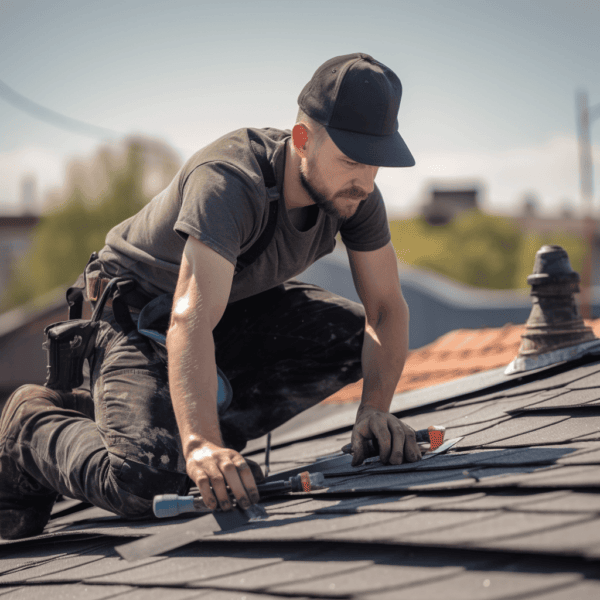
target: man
284 345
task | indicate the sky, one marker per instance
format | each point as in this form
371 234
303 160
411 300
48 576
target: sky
489 87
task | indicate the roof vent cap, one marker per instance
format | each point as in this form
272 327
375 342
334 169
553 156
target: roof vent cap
552 266
555 331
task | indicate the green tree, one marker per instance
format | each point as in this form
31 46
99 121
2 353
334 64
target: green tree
65 237
477 249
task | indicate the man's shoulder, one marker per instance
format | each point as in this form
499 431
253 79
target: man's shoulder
234 148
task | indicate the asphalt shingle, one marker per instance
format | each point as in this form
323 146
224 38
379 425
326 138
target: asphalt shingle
521 483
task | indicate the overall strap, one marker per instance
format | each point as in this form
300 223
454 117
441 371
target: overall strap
260 152
75 293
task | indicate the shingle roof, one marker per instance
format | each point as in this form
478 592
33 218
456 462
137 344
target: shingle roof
454 355
511 511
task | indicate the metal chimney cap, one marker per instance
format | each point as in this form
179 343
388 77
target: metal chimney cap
551 266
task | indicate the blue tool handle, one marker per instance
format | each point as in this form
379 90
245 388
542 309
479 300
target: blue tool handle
171 505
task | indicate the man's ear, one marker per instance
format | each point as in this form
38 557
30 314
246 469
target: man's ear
299 138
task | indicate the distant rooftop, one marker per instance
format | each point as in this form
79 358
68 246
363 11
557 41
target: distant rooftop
454 355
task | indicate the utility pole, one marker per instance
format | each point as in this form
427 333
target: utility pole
585 115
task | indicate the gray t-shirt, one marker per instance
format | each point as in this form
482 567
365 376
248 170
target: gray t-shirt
219 197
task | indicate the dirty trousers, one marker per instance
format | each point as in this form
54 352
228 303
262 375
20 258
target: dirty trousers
283 351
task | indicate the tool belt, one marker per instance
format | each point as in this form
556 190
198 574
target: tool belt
96 284
70 343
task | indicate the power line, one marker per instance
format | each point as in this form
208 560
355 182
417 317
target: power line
50 116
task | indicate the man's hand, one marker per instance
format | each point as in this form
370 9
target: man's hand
210 465
397 441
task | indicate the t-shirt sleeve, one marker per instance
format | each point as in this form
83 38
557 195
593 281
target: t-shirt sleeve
219 207
368 228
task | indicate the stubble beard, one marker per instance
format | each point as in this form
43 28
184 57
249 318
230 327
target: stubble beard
323 202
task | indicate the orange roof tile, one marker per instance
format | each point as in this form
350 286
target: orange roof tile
454 355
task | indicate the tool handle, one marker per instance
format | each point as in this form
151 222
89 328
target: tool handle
171 505
306 482
433 435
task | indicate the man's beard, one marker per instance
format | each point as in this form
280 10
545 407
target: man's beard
324 203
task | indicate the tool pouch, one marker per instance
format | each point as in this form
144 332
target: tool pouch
69 343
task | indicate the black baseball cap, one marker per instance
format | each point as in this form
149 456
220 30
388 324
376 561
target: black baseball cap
356 99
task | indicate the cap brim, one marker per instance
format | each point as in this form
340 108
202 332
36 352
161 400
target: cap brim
376 150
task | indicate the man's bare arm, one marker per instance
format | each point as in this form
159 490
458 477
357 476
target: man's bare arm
385 349
200 300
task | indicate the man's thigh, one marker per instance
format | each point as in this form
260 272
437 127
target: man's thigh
294 320
284 351
134 413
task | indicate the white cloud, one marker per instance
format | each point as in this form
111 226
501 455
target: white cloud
47 168
550 170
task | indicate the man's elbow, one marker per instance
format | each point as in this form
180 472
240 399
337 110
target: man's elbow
389 311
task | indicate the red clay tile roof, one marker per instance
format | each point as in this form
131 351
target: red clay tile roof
454 355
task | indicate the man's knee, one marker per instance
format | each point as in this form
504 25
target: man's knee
344 328
135 485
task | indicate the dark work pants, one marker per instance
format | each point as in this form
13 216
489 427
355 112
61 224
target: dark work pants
283 351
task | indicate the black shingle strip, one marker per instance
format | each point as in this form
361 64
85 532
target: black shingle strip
587 377
329 574
520 500
171 593
565 501
399 569
568 409
409 573
570 397
524 430
200 563
405 481
20 558
473 479
566 374
204 528
461 500
493 585
508 395
553 381
479 414
180 570
486 415
559 476
210 562
67 536
485 530
33 591
94 522
576 538
65 569
526 457
512 499
372 579
299 576
170 538
586 453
